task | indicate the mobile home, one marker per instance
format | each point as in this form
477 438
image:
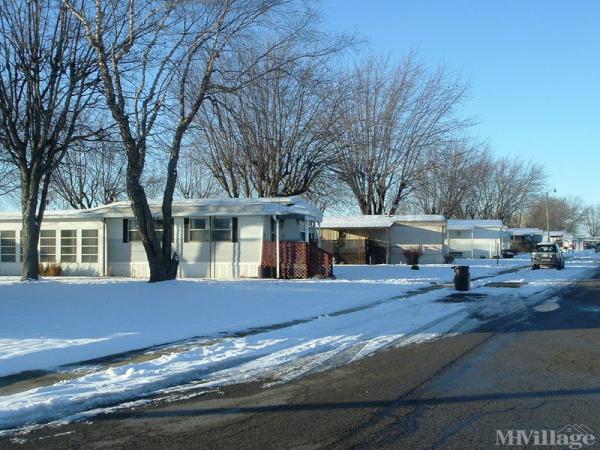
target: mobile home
477 238
371 239
214 238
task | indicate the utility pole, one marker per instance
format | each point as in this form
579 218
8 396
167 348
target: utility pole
548 216
547 220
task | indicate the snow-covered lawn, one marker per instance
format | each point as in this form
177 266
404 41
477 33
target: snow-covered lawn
67 320
329 322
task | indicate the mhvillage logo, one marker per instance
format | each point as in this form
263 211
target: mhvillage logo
571 436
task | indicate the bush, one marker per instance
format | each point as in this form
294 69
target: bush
412 256
50 270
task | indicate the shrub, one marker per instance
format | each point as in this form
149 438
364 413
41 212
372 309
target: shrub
412 256
51 270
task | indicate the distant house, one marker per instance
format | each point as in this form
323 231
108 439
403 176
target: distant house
559 237
524 239
477 238
383 239
214 238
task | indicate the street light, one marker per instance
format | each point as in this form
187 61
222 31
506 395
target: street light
548 216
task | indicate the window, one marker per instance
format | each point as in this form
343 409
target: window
221 229
274 228
199 230
273 223
158 227
48 246
89 246
68 246
211 229
134 234
8 246
312 230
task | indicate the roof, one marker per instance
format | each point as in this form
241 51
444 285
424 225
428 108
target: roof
374 221
525 231
185 208
475 223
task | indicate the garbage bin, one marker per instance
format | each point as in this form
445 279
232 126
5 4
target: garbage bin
462 278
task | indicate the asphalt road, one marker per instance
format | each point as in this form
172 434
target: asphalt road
539 369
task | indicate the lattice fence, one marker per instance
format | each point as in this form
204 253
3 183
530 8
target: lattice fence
296 260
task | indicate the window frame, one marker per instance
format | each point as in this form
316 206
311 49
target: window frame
85 246
70 257
4 255
222 231
133 235
206 231
209 231
44 257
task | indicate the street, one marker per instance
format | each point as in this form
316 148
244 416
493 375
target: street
535 370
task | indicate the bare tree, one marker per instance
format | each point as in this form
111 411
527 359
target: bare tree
158 62
9 181
275 137
465 181
450 178
389 119
508 190
195 180
47 81
92 174
564 213
592 220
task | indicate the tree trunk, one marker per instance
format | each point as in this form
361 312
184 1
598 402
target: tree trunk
31 229
171 259
145 224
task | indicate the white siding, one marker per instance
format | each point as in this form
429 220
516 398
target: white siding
226 259
428 237
486 243
70 268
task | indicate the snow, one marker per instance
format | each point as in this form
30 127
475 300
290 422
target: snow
525 231
375 221
214 328
477 223
226 206
357 222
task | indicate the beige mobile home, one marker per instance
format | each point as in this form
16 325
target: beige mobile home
384 239
224 238
524 239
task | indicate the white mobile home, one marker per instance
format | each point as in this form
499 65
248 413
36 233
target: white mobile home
477 238
225 238
372 239
558 236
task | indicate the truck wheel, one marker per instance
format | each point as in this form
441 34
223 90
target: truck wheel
534 267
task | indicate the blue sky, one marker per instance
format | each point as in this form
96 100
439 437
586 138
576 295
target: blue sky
533 69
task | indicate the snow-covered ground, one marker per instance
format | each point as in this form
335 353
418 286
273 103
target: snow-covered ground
67 320
308 326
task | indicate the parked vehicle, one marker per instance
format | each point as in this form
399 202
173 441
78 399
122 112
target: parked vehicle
547 254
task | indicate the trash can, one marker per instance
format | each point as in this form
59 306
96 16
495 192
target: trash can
462 278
